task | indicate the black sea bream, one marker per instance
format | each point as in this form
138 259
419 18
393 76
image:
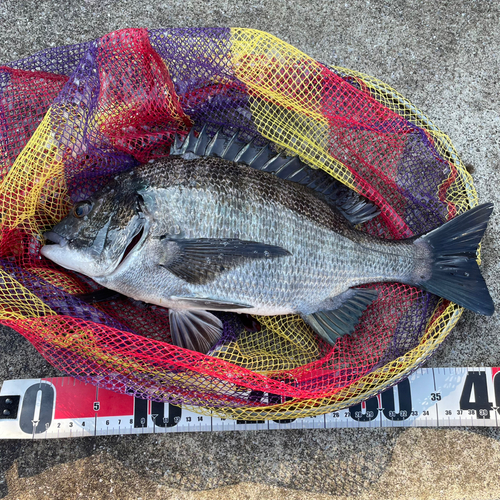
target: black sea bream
205 234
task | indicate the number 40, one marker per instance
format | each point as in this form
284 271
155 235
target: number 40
480 405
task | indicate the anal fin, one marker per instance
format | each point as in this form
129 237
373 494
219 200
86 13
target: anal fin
335 323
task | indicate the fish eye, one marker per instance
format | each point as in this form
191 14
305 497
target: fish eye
82 208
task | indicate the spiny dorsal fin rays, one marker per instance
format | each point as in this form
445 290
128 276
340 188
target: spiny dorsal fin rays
350 204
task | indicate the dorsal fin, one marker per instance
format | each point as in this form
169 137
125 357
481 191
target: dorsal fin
355 208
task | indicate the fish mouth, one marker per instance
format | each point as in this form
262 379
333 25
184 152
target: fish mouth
55 238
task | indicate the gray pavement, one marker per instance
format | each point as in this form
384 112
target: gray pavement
443 56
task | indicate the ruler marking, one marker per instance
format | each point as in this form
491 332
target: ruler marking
495 404
380 411
96 410
442 391
435 390
457 372
36 414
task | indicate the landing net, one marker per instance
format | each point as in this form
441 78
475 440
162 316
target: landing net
73 117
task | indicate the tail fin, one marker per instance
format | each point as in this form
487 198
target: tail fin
455 274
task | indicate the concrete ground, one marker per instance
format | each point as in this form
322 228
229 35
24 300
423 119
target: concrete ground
441 55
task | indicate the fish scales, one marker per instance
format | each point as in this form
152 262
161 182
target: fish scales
213 198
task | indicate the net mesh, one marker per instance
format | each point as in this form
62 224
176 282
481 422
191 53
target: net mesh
73 117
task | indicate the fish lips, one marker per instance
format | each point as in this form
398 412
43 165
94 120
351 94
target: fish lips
61 253
56 238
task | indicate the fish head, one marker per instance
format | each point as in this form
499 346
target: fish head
100 232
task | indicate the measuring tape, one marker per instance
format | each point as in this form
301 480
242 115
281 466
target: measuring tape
66 407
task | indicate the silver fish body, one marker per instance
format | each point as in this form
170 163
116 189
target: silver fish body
210 234
214 199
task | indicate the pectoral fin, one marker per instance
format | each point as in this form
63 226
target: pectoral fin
196 330
333 324
199 261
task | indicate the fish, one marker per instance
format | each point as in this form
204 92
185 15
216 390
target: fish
223 224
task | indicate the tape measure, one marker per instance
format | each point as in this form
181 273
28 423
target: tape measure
65 407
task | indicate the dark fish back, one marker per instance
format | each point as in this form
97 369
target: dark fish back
223 177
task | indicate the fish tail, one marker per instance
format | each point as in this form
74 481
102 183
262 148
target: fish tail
454 272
